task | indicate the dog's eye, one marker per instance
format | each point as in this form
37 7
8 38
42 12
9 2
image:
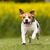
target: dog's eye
23 17
29 17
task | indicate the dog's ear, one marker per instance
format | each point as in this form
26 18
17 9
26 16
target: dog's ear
32 12
21 11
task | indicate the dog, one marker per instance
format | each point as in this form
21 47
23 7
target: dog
29 24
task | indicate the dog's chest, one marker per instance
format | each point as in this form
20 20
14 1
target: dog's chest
30 28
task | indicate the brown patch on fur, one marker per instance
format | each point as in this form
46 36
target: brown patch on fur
30 16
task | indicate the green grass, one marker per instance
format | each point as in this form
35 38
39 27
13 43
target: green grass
15 44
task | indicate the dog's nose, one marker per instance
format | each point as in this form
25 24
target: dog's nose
26 20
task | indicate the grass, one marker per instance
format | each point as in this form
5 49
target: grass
15 44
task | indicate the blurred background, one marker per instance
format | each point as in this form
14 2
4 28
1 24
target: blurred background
26 0
10 20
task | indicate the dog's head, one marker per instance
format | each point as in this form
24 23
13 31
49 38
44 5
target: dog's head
27 18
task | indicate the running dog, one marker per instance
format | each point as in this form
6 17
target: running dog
29 24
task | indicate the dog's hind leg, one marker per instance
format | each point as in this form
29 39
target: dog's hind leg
29 38
37 35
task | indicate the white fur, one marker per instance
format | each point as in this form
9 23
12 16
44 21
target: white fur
29 27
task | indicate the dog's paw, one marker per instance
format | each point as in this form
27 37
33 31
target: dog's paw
23 43
33 37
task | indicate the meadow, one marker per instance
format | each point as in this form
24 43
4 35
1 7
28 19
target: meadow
15 44
10 20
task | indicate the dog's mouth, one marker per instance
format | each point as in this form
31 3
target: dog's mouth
26 22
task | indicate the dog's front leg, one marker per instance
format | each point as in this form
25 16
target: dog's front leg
34 33
23 35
